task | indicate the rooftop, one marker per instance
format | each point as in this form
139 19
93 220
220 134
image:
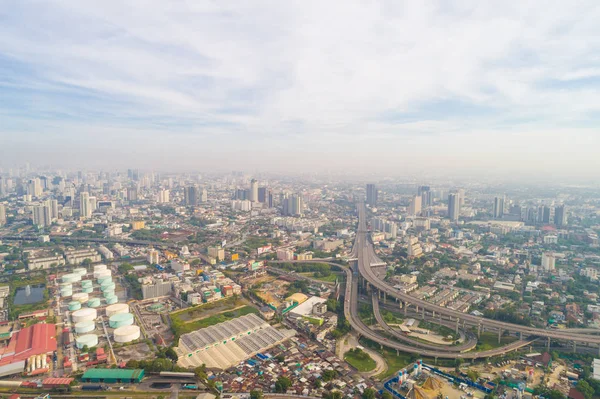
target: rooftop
123 374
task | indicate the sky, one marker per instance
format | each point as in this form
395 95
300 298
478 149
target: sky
415 87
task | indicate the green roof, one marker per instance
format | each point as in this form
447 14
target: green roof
123 374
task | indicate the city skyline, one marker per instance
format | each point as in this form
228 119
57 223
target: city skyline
472 89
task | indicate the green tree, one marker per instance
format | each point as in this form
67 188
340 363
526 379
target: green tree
368 393
386 395
282 384
171 354
328 375
585 388
256 394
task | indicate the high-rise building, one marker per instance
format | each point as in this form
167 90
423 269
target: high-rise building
372 194
34 187
426 196
253 190
415 206
132 193
190 196
85 211
293 205
41 215
265 196
53 206
2 215
164 196
204 195
548 261
461 196
498 207
548 215
560 216
93 203
453 206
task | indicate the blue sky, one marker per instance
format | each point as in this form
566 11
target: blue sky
347 84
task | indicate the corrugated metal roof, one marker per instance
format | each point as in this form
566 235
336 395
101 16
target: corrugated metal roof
113 373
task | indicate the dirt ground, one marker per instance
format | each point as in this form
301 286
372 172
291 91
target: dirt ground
139 351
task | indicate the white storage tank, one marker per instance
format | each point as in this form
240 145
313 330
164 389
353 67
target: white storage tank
66 291
70 278
93 302
74 305
80 270
84 314
111 299
87 290
86 283
120 320
117 308
98 268
104 279
108 287
126 334
102 273
84 327
88 340
81 297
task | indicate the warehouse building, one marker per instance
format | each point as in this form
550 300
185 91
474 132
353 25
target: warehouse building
113 376
38 339
226 344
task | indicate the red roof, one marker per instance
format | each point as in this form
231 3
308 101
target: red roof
99 351
57 381
37 339
575 394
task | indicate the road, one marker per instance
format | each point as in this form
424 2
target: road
366 256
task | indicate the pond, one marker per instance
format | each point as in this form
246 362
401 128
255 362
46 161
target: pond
29 294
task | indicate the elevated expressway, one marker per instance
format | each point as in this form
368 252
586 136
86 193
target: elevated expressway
366 254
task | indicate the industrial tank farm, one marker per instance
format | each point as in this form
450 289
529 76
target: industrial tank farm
94 303
84 327
126 334
81 297
85 314
117 308
74 305
120 320
88 340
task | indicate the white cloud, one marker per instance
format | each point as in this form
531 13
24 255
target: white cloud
273 76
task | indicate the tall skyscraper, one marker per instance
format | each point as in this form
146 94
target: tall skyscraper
132 193
2 215
426 196
204 195
415 206
34 187
53 206
461 196
265 196
372 194
293 205
41 215
498 207
560 216
190 196
164 196
453 206
548 215
85 211
253 190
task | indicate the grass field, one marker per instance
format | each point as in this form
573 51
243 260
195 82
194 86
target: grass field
362 362
489 340
329 279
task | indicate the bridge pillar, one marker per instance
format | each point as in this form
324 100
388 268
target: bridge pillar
433 314
479 330
499 335
457 321
397 352
384 297
417 308
574 347
521 335
423 313
548 344
405 308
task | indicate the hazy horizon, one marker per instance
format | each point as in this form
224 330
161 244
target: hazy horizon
471 89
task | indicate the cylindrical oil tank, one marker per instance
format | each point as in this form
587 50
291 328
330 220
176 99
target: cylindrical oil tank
84 315
74 305
98 268
102 273
111 299
84 327
81 297
120 320
86 283
66 291
108 293
117 308
126 334
93 302
88 340
104 279
87 290
63 284
108 287
70 278
80 270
